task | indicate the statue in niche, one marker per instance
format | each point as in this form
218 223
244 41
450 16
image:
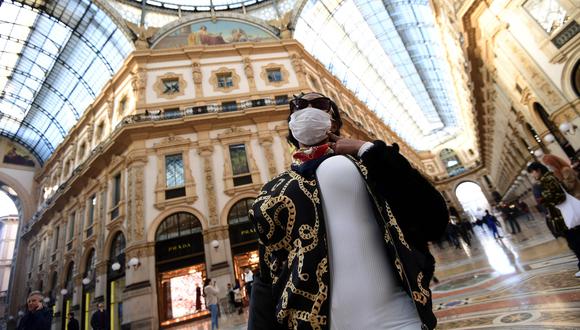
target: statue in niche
196 73
248 68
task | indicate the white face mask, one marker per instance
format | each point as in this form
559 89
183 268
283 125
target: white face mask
310 125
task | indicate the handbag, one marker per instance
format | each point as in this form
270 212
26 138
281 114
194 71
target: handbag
570 210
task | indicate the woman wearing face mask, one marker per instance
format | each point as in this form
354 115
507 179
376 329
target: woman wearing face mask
344 232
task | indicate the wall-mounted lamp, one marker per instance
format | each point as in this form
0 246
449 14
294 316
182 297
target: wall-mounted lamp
116 266
567 128
134 262
20 313
86 281
215 244
46 300
64 292
549 138
538 153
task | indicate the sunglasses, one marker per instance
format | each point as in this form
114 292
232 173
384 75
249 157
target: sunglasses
322 103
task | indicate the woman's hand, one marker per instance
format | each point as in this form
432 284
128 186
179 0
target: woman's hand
344 146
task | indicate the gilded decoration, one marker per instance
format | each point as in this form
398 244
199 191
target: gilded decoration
267 70
230 80
169 85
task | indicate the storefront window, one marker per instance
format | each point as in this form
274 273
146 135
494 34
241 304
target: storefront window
180 261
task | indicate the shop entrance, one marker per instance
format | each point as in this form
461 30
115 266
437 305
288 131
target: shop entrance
243 241
180 263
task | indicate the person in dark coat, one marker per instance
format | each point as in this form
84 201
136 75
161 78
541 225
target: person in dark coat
197 298
73 324
491 223
38 316
552 195
99 318
300 216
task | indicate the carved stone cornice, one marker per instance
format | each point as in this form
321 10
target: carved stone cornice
172 141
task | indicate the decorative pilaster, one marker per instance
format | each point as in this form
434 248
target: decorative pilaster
298 68
206 152
266 143
139 83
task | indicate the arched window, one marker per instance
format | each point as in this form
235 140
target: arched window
180 268
178 225
576 78
451 162
239 212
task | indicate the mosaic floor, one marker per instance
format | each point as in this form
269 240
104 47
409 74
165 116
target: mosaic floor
523 281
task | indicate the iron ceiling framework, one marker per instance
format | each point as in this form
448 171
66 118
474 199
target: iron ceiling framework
55 59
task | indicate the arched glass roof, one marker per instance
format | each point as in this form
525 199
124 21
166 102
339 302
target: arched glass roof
389 53
55 57
201 5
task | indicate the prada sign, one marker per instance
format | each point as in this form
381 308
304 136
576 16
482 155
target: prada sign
242 232
179 247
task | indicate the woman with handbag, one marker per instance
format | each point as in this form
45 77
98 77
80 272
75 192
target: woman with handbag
563 208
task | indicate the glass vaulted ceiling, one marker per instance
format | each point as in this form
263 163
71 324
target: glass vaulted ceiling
390 54
55 57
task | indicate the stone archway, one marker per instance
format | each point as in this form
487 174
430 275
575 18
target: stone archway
472 199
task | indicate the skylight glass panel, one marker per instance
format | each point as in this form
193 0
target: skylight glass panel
388 73
58 58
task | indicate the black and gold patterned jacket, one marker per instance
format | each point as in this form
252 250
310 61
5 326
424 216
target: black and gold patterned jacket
553 194
292 290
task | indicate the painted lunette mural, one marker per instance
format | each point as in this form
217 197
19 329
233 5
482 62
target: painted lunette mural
208 32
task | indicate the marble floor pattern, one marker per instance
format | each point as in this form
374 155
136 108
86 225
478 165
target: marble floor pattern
523 281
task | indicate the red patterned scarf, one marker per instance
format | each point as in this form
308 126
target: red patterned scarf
303 155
